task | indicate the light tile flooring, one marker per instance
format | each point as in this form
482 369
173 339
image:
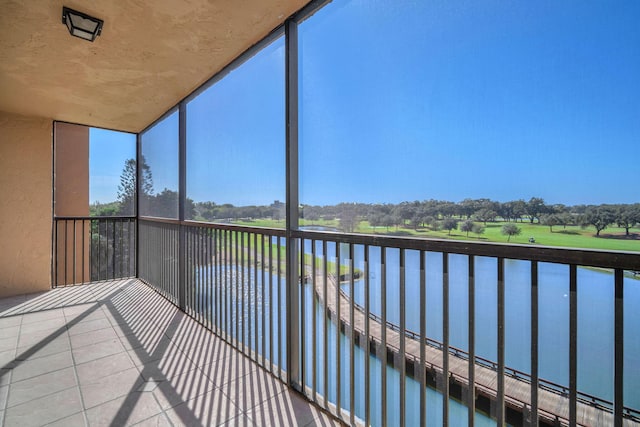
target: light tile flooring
116 353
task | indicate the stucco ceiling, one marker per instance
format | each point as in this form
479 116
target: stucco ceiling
151 54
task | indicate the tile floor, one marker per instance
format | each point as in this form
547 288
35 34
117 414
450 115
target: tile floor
116 353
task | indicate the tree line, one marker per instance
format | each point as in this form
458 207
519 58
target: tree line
469 215
164 203
447 215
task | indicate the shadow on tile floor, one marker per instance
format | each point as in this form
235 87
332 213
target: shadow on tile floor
117 353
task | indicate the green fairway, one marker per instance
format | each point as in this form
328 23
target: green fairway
612 238
261 222
571 236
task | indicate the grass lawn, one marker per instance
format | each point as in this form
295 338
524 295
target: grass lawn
612 238
571 236
262 222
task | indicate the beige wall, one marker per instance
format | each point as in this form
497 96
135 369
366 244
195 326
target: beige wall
71 169
71 198
25 204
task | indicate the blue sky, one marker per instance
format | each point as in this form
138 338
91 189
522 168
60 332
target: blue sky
160 149
448 100
405 100
236 134
108 152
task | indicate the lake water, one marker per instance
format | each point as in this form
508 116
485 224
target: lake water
595 326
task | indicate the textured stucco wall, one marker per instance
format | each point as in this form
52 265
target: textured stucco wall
25 204
149 56
71 198
71 170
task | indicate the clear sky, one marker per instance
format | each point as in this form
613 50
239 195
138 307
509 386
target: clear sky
108 152
160 150
413 100
236 134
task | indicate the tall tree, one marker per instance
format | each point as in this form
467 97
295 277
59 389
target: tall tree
550 220
627 216
466 226
565 219
375 219
600 217
486 215
510 230
127 186
518 209
467 207
535 207
388 221
449 224
349 219
477 229
404 212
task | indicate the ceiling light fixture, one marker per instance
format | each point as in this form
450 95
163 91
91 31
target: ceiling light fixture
81 25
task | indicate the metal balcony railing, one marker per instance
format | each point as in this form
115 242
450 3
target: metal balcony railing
89 249
233 281
346 322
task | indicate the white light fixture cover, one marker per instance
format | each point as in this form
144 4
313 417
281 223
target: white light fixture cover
81 25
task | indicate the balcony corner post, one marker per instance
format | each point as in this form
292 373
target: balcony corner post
292 282
182 190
